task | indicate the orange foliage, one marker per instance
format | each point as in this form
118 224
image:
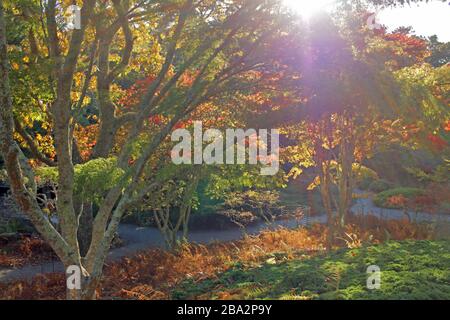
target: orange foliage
413 46
133 95
28 250
161 270
86 139
372 229
42 287
152 273
398 201
447 126
437 142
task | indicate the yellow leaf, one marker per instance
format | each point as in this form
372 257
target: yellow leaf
314 184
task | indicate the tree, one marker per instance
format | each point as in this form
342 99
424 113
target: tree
440 52
214 42
354 90
171 200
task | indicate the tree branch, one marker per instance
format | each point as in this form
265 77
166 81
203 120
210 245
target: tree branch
32 145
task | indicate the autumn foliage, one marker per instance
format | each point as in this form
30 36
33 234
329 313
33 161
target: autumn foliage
27 250
152 274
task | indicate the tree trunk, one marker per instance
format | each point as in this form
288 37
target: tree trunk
87 285
85 220
326 200
25 197
345 169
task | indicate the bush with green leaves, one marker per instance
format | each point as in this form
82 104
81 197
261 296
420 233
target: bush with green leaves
379 185
239 187
225 179
363 176
383 198
262 204
251 199
440 174
92 179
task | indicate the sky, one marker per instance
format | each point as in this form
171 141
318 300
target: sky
427 19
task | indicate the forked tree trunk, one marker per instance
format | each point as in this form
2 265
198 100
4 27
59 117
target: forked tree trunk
86 220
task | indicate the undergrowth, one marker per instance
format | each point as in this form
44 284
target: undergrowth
154 273
413 270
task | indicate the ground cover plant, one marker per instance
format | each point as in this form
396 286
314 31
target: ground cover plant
413 270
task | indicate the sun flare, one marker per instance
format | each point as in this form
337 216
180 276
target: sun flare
308 8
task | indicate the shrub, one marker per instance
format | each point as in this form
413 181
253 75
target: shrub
17 252
365 183
92 179
379 185
397 198
263 204
364 176
251 199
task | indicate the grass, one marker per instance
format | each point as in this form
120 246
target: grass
409 270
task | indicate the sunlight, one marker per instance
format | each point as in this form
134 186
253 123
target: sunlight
307 8
231 150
